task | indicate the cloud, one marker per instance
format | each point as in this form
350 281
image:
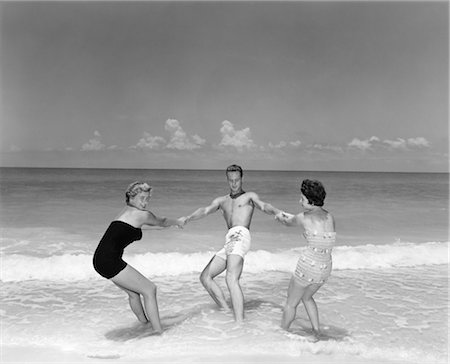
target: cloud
363 144
399 143
280 145
332 148
418 142
179 139
283 144
239 139
198 140
94 143
149 141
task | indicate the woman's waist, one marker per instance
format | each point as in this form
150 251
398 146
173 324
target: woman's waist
109 249
317 253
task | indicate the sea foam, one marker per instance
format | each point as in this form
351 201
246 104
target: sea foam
75 267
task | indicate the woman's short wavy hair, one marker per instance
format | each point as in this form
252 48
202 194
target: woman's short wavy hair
314 191
135 188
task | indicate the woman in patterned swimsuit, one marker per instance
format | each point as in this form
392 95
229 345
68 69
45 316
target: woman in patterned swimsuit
125 229
314 265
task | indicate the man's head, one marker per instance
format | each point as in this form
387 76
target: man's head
234 176
235 168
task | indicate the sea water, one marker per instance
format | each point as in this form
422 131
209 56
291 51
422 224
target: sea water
387 297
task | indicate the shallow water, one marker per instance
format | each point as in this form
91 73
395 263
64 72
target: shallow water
387 297
387 314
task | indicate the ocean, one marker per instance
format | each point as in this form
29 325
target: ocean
387 297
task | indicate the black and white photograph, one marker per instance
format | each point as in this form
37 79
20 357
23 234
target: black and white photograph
221 181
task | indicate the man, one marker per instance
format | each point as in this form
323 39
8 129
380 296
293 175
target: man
237 209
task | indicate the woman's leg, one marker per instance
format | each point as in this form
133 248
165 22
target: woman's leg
135 303
132 280
295 294
311 307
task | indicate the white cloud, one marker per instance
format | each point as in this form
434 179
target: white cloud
179 139
149 141
198 140
332 148
418 142
396 144
239 139
399 143
363 144
94 143
283 144
280 145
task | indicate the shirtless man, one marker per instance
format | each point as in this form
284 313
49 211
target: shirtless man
237 209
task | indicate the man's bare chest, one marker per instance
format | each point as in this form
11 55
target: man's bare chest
237 206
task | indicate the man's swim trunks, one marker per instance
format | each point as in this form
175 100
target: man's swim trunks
237 241
108 255
315 263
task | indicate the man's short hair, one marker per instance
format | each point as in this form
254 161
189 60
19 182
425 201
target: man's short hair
234 168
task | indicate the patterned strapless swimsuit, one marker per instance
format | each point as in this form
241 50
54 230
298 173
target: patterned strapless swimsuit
315 263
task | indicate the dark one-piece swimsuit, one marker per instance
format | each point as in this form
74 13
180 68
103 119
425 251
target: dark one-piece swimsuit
108 255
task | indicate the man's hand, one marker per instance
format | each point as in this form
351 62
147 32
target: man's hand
181 221
283 217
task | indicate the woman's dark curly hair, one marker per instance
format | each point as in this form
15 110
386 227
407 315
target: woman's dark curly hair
314 191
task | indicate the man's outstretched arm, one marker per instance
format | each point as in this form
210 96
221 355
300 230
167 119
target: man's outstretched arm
264 206
204 211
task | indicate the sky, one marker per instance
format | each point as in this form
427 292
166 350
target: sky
331 86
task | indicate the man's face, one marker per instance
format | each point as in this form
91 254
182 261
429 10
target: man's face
234 181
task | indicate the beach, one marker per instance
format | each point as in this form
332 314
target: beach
386 300
30 355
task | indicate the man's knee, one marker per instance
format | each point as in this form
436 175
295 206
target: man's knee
232 278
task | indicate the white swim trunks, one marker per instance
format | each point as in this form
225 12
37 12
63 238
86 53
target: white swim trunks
237 241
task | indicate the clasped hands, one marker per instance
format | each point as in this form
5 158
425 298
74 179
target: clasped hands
283 217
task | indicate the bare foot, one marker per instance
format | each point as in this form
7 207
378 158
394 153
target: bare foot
313 338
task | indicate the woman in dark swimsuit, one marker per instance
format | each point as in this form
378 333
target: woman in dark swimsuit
125 229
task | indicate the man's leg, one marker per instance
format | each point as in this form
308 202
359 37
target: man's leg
235 263
215 266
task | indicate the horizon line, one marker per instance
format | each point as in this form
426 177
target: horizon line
223 169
